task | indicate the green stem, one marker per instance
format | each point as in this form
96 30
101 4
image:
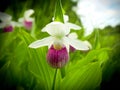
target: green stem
54 80
97 41
62 70
33 30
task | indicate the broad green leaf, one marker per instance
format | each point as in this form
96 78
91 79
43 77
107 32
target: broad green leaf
3 72
92 56
16 61
37 62
85 78
5 41
103 57
58 15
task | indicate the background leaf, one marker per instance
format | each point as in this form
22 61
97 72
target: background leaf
58 16
37 62
85 78
23 68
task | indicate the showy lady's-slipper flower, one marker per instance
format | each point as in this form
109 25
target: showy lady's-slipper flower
6 22
58 42
26 20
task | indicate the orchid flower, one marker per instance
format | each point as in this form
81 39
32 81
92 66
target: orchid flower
26 20
6 22
58 43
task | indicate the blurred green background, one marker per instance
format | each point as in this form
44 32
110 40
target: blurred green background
17 68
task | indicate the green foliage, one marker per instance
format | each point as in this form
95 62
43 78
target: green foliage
58 16
24 68
37 62
84 78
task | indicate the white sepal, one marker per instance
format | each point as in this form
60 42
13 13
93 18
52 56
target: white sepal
77 44
66 18
2 25
15 24
28 13
88 44
73 26
56 29
73 35
21 20
43 42
5 17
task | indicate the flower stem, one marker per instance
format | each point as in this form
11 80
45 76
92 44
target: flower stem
54 80
97 41
33 30
62 70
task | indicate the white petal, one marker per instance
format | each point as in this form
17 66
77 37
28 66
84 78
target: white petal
16 24
57 41
73 26
5 17
28 13
30 19
56 29
43 42
66 45
66 18
77 44
88 44
73 36
2 25
21 20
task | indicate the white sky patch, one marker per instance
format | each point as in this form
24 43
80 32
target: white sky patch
98 13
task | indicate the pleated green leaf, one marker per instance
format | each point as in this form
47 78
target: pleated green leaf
58 15
92 56
85 78
85 74
5 40
37 62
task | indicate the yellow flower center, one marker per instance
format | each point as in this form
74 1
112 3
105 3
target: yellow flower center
57 47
